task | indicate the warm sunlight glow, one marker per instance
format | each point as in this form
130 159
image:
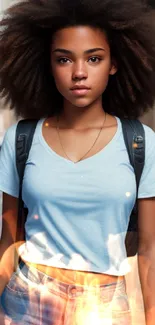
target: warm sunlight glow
135 145
91 310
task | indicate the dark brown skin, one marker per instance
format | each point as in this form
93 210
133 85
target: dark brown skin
80 68
83 115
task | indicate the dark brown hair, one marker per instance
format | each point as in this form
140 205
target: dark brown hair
25 35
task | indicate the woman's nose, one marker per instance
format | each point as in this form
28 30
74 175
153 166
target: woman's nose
79 72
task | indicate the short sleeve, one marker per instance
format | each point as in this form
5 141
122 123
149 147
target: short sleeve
9 181
147 182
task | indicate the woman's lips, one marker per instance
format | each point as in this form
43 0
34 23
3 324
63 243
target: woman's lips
80 91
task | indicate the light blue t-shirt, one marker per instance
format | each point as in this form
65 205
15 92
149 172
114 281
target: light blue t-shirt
78 213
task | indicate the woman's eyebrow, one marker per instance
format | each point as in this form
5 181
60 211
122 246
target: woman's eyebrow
86 52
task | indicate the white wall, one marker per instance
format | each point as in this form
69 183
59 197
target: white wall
4 4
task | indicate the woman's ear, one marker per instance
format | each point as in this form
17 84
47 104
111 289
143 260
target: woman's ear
113 68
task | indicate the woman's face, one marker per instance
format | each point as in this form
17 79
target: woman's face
81 64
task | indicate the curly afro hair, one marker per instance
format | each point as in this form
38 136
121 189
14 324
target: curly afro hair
25 36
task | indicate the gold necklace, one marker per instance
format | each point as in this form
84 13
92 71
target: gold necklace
90 147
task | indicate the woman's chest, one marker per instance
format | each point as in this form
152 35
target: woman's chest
106 177
76 144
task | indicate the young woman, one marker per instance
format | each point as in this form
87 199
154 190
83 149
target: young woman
78 67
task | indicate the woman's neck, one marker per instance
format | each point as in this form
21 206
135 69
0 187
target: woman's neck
80 118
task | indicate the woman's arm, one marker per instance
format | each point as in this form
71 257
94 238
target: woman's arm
8 247
146 256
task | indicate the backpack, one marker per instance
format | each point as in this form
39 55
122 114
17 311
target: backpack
134 137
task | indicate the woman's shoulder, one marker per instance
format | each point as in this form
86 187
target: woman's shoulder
149 133
11 133
149 140
148 130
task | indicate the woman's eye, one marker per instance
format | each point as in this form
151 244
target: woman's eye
63 60
95 59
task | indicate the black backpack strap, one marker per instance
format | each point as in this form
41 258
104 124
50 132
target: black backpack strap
24 136
134 137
